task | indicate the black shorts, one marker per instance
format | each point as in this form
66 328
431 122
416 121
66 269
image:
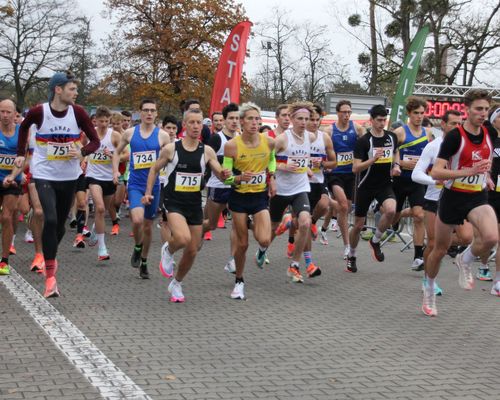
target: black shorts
494 201
219 195
430 205
317 190
345 181
299 202
192 213
248 203
406 188
108 187
81 184
162 203
364 198
12 190
455 206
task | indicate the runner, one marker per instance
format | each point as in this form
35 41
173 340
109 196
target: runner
217 121
412 139
463 161
341 180
186 160
376 158
100 178
282 119
10 191
251 157
145 141
56 162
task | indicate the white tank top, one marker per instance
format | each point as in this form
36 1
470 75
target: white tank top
99 165
213 181
53 140
290 183
318 151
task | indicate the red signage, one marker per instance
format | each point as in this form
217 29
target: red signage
436 109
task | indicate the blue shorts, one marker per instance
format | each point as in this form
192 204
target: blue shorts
135 195
219 195
248 203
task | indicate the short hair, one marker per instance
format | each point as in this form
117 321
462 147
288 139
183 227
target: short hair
342 103
147 101
188 112
264 127
102 111
169 119
216 113
116 117
294 107
231 107
446 115
280 108
476 94
426 123
317 108
414 102
378 111
246 107
188 102
126 113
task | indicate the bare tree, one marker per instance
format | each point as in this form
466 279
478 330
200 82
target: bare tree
33 41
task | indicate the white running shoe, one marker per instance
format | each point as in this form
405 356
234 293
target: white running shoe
323 239
92 239
347 249
238 291
230 266
417 265
495 289
333 225
175 290
28 237
465 278
167 262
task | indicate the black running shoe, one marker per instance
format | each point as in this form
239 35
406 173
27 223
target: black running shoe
135 260
143 271
351 265
376 251
453 251
73 224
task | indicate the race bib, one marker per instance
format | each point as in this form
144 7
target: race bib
409 157
257 179
300 162
7 161
187 182
473 183
386 157
58 151
318 160
144 159
99 158
497 188
345 158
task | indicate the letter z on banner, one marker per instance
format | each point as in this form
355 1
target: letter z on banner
228 76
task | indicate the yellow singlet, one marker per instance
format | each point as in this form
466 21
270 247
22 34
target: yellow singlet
254 160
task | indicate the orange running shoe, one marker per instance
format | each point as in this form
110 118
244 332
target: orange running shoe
208 235
12 250
312 271
314 231
51 289
290 248
115 230
285 224
294 273
38 264
79 241
221 224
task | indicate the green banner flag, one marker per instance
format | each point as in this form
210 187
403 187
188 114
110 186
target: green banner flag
408 75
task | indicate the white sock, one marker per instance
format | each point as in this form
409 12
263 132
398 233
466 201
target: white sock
13 239
352 252
430 283
484 266
100 240
467 256
377 236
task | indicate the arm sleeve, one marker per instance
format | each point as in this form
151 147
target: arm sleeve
419 174
272 162
34 116
86 126
450 145
228 164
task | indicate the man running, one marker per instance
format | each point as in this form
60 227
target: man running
463 162
186 160
282 119
217 121
56 161
145 141
376 158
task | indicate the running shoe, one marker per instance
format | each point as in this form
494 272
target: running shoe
4 268
221 223
417 265
92 241
429 302
28 237
290 248
323 239
351 265
437 289
267 259
115 230
259 261
86 231
285 224
346 252
135 260
51 289
143 270
376 251
294 273
238 292
495 289
452 251
465 279
12 250
313 271
167 262
79 241
102 254
314 231
230 266
484 274
175 290
208 235
334 226
38 263
73 224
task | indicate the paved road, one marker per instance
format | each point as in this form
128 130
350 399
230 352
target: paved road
338 336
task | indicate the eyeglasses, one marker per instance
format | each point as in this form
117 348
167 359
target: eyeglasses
148 110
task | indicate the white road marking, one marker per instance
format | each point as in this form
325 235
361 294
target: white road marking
99 370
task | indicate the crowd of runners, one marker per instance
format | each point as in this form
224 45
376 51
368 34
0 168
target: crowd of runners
56 160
